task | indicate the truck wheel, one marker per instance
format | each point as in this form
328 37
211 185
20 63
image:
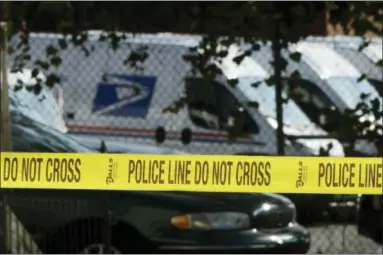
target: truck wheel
86 237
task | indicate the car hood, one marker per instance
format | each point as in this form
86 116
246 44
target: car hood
266 211
208 202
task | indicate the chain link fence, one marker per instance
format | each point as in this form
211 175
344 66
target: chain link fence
134 91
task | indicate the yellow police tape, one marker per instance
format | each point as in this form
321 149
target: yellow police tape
212 173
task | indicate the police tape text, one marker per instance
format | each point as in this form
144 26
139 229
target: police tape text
350 175
197 172
35 169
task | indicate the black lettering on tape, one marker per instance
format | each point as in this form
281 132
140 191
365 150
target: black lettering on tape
31 169
221 172
239 174
10 169
77 168
370 175
48 170
140 169
131 170
267 173
63 170
201 172
179 172
161 172
336 175
153 174
253 173
322 169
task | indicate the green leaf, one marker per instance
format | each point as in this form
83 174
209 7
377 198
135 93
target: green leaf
104 77
295 75
193 49
270 81
52 80
253 104
51 50
375 105
56 61
363 45
26 49
232 82
238 59
85 50
248 53
256 47
361 78
19 82
136 91
102 38
63 43
256 84
364 96
222 53
27 57
295 56
17 88
35 72
380 63
175 106
37 88
42 64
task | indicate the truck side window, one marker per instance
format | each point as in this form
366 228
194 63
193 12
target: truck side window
313 101
227 103
201 103
210 105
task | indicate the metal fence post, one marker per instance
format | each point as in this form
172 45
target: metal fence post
5 145
14 237
278 90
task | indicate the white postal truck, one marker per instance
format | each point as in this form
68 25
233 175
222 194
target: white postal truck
128 105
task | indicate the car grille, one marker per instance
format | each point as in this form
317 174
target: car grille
273 218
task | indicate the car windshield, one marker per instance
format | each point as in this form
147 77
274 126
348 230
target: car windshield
29 135
350 89
264 95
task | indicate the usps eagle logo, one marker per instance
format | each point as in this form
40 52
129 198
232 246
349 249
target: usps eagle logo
124 95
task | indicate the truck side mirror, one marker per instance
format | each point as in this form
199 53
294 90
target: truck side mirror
235 123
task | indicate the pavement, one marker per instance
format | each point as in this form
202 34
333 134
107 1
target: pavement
341 239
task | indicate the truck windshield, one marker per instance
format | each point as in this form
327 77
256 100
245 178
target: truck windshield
264 95
349 89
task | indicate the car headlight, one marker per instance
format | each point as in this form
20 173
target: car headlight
213 220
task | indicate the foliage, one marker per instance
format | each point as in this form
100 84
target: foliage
248 24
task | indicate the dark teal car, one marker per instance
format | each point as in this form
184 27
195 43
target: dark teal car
144 222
